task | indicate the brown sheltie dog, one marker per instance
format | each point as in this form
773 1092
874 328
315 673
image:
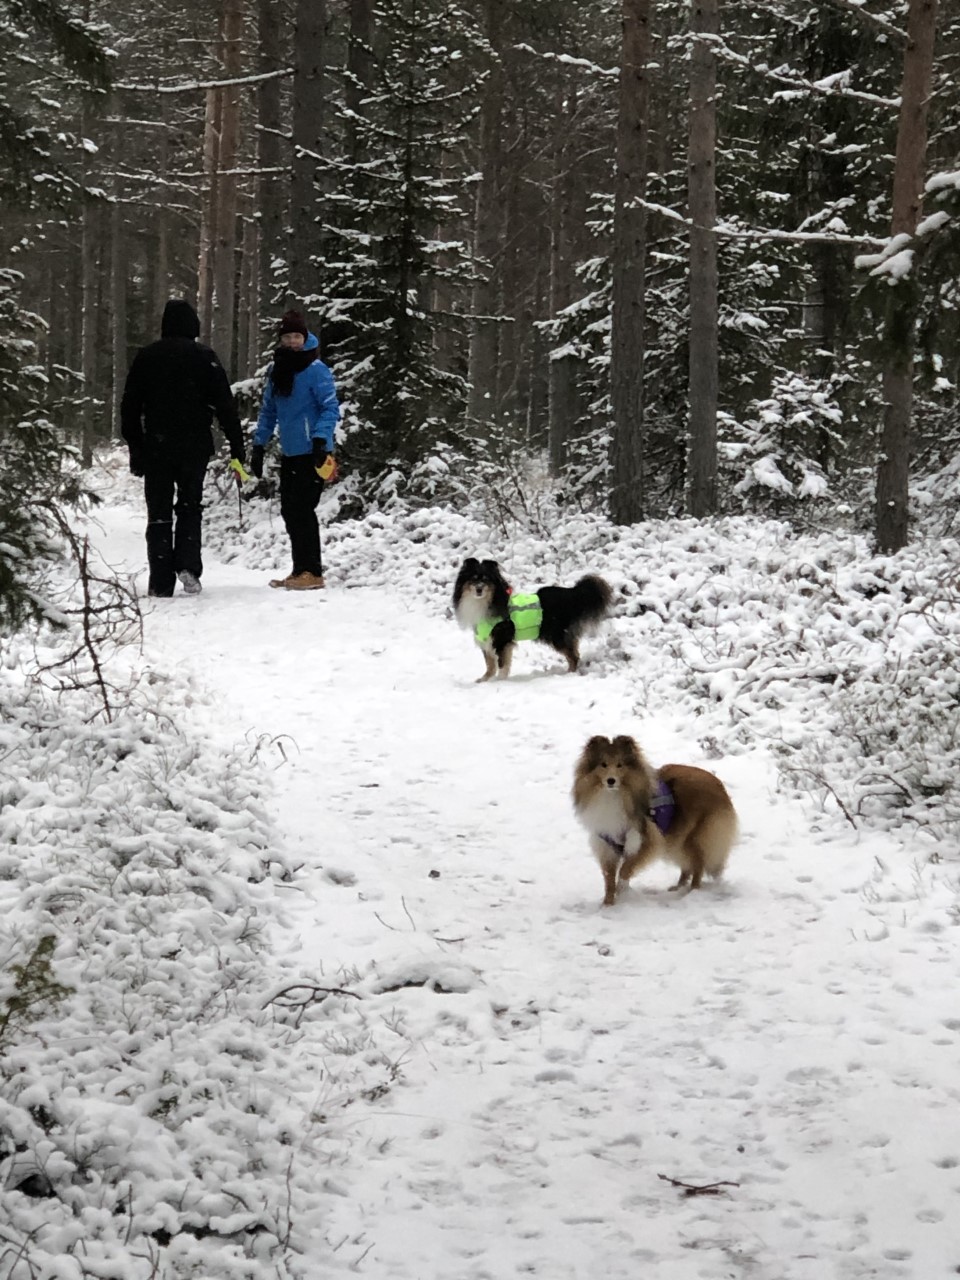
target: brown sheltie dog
484 603
636 814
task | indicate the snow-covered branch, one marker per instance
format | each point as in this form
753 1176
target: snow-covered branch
871 19
195 86
584 64
835 85
731 232
897 253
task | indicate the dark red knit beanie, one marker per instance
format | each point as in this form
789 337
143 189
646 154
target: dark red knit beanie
293 322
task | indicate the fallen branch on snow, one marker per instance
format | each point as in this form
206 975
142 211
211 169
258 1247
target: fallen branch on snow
689 1189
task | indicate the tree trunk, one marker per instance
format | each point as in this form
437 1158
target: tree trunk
89 279
309 109
518 297
538 393
893 472
160 279
271 157
69 335
118 307
52 290
359 72
248 327
702 204
562 371
224 272
564 409
211 165
483 404
627 481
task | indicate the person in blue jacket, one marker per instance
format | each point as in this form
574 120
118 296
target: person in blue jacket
300 404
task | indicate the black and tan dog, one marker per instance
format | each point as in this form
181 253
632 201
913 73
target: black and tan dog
484 603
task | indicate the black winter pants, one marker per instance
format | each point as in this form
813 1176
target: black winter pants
300 489
173 527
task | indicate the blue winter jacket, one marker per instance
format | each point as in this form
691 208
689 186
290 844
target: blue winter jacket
310 412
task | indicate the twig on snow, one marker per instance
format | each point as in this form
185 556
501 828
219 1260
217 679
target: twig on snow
690 1189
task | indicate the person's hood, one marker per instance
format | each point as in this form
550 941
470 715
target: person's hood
179 320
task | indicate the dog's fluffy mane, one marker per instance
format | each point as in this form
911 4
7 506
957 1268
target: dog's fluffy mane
639 782
486 573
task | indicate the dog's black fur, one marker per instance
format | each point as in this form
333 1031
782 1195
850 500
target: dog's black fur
481 591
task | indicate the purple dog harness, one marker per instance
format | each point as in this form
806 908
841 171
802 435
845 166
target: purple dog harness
662 808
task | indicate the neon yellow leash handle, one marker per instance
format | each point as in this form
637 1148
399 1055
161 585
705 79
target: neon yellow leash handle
237 466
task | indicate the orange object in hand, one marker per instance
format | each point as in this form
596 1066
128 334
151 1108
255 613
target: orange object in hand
328 471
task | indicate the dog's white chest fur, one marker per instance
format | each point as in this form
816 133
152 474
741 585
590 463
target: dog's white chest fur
604 814
471 609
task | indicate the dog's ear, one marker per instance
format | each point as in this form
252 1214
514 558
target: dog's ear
492 572
627 747
595 750
468 570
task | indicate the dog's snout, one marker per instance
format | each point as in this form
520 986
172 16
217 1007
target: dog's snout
611 781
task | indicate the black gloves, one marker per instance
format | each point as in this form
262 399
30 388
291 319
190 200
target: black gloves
256 461
240 454
320 452
136 463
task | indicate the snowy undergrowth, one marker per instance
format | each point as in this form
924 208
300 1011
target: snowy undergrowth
141 1008
166 1092
750 618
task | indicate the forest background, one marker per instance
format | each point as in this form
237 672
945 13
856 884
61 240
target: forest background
702 258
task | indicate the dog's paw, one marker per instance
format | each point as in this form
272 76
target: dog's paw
631 844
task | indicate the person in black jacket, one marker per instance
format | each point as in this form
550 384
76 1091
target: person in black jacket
173 389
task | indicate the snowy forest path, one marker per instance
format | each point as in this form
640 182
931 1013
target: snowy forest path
765 1031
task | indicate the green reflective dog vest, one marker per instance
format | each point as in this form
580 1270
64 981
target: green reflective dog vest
525 614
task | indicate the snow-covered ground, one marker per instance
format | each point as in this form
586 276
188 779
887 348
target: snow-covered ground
492 1076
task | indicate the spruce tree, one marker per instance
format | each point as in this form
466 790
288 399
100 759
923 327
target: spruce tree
51 51
398 273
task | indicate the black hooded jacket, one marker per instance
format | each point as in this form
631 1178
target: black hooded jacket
173 389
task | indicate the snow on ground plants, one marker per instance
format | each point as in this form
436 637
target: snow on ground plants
320 981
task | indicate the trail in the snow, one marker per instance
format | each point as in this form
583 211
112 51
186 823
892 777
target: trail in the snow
759 1033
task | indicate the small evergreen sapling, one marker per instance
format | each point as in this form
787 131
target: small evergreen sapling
33 991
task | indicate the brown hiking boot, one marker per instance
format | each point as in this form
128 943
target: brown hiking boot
281 582
304 582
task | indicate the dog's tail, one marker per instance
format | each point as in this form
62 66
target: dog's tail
591 600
